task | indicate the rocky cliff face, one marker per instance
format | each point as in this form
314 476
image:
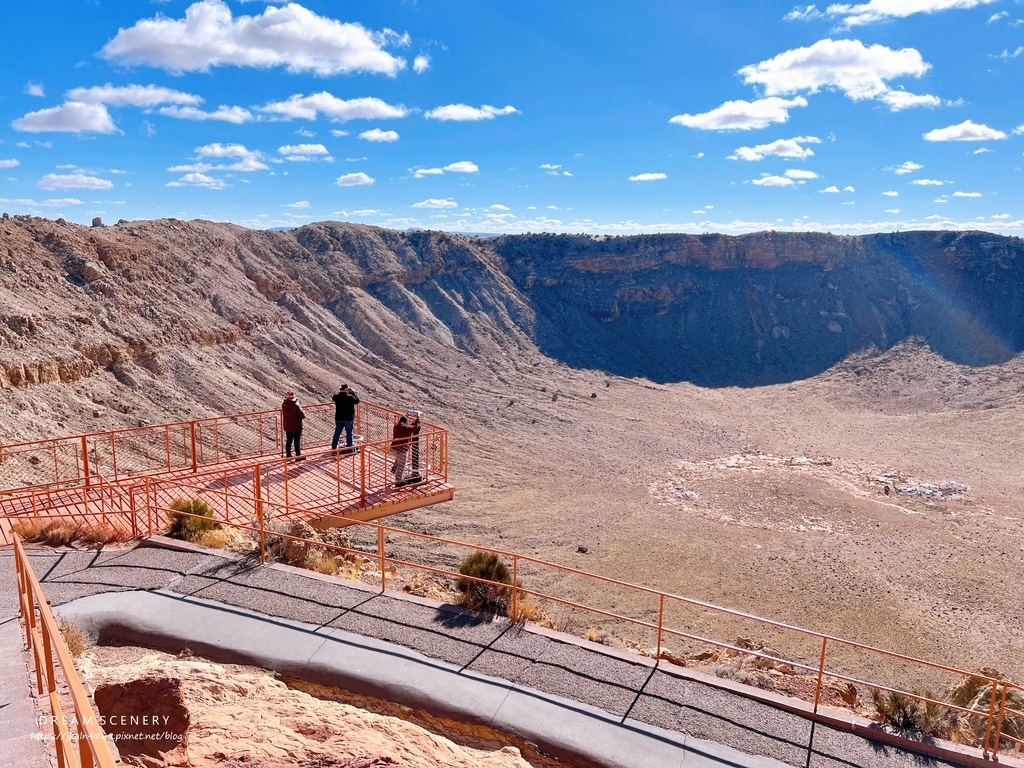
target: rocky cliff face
767 307
711 309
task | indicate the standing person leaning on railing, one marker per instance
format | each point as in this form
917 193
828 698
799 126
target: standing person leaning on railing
291 421
401 439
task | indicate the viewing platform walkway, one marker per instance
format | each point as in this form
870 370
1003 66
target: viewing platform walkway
235 464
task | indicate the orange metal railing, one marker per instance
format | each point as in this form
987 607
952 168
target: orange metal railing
999 720
176 447
87 747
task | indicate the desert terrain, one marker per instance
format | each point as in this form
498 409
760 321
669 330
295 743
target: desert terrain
768 499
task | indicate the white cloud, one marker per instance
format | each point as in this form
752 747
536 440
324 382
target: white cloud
773 181
780 148
833 190
462 166
225 150
60 202
500 207
742 115
342 110
891 194
900 100
859 71
34 89
797 173
338 134
132 95
291 36
298 204
849 189
982 150
928 182
997 16
1018 130
191 168
376 134
940 200
883 10
965 131
553 167
71 117
236 115
803 13
1007 55
967 194
892 210
908 167
421 64
12 163
73 181
421 173
648 177
1000 216
435 203
464 112
848 202
303 149
197 180
354 180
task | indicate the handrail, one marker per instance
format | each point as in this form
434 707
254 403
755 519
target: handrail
50 652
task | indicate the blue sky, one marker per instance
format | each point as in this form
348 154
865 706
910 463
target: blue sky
477 116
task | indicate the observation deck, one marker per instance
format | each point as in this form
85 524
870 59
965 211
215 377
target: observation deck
235 464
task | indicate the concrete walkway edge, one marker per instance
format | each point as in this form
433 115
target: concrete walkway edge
570 730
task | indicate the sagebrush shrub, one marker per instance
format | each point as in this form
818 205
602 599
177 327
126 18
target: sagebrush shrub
184 525
486 597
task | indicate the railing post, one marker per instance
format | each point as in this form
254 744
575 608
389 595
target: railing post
515 590
192 440
167 444
85 460
362 474
258 498
661 623
991 719
821 672
134 514
383 559
999 725
149 510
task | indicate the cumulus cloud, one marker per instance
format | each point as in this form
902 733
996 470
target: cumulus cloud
742 115
550 166
464 112
420 64
833 190
928 182
883 10
132 95
790 148
982 150
803 13
849 189
648 177
773 181
76 180
891 193
338 134
436 203
892 210
908 167
290 36
967 194
71 117
500 207
900 100
421 173
354 180
376 134
997 16
965 131
462 166
797 173
11 163
34 89
305 152
298 204
857 70
236 115
341 110
197 180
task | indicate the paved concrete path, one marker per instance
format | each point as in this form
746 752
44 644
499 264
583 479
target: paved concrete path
524 669
19 724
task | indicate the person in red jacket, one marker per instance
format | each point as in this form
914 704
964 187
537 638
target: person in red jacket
401 438
291 420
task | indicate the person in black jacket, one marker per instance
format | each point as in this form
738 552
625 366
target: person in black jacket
344 415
